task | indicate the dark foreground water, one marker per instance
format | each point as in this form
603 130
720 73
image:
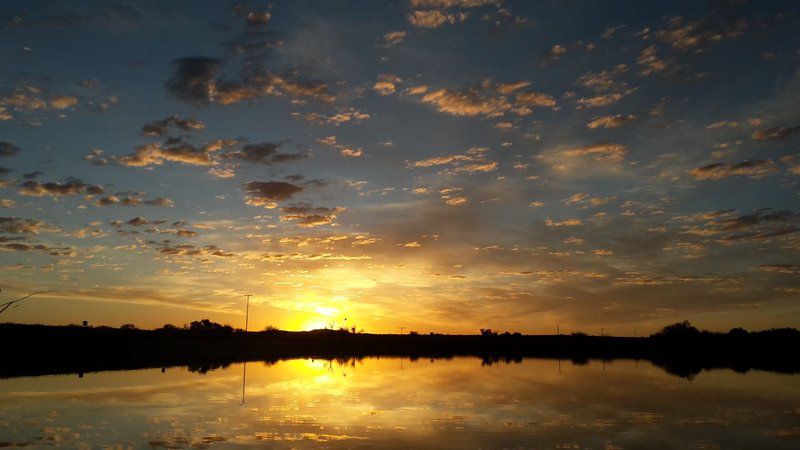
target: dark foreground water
394 403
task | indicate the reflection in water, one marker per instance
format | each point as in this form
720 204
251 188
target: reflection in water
244 379
458 403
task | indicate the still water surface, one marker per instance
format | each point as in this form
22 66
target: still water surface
394 403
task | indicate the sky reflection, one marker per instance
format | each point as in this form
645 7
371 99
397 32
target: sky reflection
393 403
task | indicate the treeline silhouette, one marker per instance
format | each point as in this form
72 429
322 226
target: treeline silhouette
680 348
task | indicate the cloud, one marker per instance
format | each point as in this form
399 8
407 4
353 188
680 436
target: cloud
685 35
138 222
168 248
535 99
307 216
602 100
277 257
604 81
222 172
174 150
72 186
757 168
474 160
265 153
346 151
132 200
604 152
267 84
680 35
95 157
758 217
194 79
610 121
393 38
456 201
8 149
650 62
447 4
30 99
386 84
253 19
793 163
780 268
351 152
267 193
16 225
757 226
52 251
508 88
599 159
564 223
432 18
346 116
776 134
584 200
159 201
466 103
486 99
161 127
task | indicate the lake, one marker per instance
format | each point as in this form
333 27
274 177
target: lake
399 403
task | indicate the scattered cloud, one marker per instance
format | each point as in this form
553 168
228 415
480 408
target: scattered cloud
8 149
756 168
386 84
563 223
432 18
72 186
393 38
776 134
487 99
196 80
265 153
304 215
161 127
268 193
473 161
349 116
610 121
16 225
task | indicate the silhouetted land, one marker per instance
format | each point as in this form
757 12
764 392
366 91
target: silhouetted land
680 348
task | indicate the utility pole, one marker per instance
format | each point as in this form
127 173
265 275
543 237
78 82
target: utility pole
401 329
558 329
247 311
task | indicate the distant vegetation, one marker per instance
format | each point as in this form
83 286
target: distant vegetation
673 332
680 348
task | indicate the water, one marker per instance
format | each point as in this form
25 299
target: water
394 403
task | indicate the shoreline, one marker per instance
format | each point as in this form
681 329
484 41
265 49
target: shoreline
32 350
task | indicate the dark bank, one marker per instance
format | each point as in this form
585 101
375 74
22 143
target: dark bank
680 349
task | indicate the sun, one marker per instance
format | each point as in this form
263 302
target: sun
314 324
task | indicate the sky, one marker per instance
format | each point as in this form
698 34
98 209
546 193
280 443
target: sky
436 165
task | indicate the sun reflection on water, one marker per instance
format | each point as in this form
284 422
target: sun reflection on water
394 403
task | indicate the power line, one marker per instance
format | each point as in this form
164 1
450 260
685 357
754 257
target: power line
6 305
